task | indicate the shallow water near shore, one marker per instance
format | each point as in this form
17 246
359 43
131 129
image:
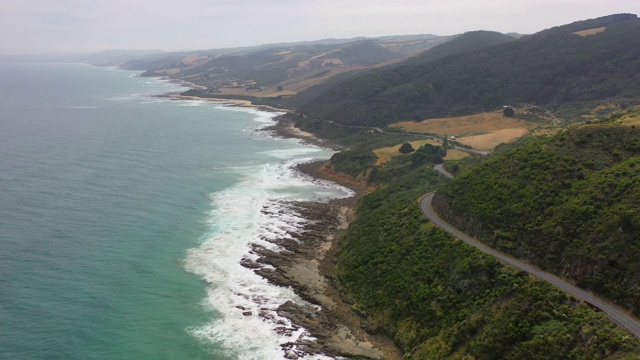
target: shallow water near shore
124 218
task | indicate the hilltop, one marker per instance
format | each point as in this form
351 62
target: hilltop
280 70
554 67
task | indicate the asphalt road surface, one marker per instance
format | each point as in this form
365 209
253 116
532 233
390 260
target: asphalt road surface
618 316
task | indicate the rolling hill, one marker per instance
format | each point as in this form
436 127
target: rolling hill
555 66
280 69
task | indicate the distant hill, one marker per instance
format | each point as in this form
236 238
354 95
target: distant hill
278 70
454 45
470 41
552 67
363 52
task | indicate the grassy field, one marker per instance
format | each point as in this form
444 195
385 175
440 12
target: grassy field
481 131
385 154
590 31
632 118
454 154
491 140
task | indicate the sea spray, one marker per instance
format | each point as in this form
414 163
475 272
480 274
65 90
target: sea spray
254 212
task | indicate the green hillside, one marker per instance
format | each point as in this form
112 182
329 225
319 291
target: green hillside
549 68
441 299
365 52
569 203
464 43
470 41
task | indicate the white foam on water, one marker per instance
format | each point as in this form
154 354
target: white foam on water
288 153
256 211
263 118
193 102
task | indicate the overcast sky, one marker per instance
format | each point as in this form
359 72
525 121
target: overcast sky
52 26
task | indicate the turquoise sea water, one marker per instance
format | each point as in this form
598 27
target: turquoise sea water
124 216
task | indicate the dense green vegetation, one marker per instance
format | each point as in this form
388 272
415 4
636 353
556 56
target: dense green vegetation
469 41
406 148
549 68
569 203
366 52
353 162
439 298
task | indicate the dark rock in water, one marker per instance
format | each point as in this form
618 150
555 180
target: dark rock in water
249 264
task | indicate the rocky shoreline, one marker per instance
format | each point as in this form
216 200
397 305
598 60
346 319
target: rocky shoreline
306 264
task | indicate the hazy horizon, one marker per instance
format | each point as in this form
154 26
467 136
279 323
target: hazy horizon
75 26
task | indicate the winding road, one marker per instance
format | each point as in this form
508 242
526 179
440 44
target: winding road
618 316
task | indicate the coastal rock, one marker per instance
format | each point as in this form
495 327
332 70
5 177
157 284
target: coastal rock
304 263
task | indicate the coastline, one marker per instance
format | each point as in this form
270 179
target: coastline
307 261
220 101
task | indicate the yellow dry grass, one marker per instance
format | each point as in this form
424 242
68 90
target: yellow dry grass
481 131
630 119
194 60
594 113
455 154
590 31
491 140
386 154
466 125
304 81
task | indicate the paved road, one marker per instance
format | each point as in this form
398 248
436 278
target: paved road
618 316
442 171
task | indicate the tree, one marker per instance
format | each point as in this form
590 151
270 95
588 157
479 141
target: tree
406 148
508 111
427 154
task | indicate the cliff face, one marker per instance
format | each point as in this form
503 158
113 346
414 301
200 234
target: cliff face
464 222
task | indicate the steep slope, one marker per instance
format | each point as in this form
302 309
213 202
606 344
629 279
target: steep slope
570 204
460 44
552 67
441 299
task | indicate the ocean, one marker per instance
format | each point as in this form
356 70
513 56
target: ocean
124 217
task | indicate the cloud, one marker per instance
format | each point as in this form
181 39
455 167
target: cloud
87 25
